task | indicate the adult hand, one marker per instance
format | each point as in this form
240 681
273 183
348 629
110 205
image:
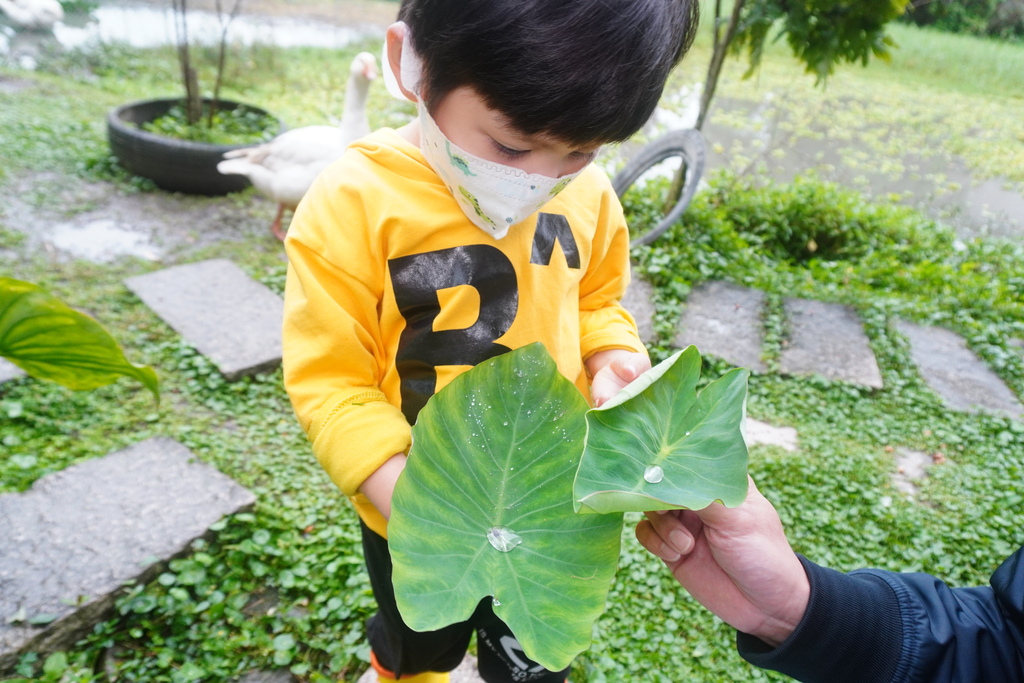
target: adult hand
734 561
613 369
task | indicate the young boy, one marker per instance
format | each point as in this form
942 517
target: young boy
477 228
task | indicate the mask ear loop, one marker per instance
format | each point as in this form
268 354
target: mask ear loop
411 68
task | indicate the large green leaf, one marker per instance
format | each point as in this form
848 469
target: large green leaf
484 508
658 444
49 340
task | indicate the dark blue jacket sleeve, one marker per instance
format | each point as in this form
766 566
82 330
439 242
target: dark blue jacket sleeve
876 626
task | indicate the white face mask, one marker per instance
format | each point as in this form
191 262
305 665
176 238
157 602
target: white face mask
493 196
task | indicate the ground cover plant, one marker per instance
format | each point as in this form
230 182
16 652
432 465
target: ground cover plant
284 585
233 127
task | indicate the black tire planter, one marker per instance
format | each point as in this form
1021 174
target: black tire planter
686 144
174 165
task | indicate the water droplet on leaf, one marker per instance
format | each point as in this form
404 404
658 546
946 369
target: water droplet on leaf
502 539
654 474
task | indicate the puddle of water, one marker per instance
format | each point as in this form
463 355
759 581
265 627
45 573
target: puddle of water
929 179
24 47
100 241
990 204
940 186
10 86
150 27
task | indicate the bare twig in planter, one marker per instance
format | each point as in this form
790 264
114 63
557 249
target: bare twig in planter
221 54
193 99
189 73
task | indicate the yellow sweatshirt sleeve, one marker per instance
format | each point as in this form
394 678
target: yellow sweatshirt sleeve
333 354
604 323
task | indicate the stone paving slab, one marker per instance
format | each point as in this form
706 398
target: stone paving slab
955 373
911 468
723 319
9 371
757 433
226 315
829 340
71 542
639 302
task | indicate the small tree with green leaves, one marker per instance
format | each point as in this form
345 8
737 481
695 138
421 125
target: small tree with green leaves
821 33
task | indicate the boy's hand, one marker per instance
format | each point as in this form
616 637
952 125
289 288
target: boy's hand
614 369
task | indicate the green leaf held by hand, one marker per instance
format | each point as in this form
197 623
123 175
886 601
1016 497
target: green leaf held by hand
658 444
484 508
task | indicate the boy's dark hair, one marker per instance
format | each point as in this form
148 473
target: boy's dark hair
581 71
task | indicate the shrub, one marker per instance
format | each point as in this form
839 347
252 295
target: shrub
811 219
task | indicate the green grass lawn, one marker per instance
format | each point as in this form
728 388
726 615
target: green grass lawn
284 586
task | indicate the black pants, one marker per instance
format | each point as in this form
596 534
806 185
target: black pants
404 651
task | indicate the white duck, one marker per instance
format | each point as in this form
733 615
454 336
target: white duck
33 15
284 168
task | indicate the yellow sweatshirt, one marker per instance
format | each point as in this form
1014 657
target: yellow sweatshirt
392 292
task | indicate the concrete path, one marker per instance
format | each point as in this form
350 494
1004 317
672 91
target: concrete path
222 312
955 373
724 320
828 340
72 541
236 322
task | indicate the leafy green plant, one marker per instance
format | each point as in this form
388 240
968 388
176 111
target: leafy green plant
810 219
999 18
49 340
79 6
52 671
659 444
236 126
484 508
9 239
505 456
